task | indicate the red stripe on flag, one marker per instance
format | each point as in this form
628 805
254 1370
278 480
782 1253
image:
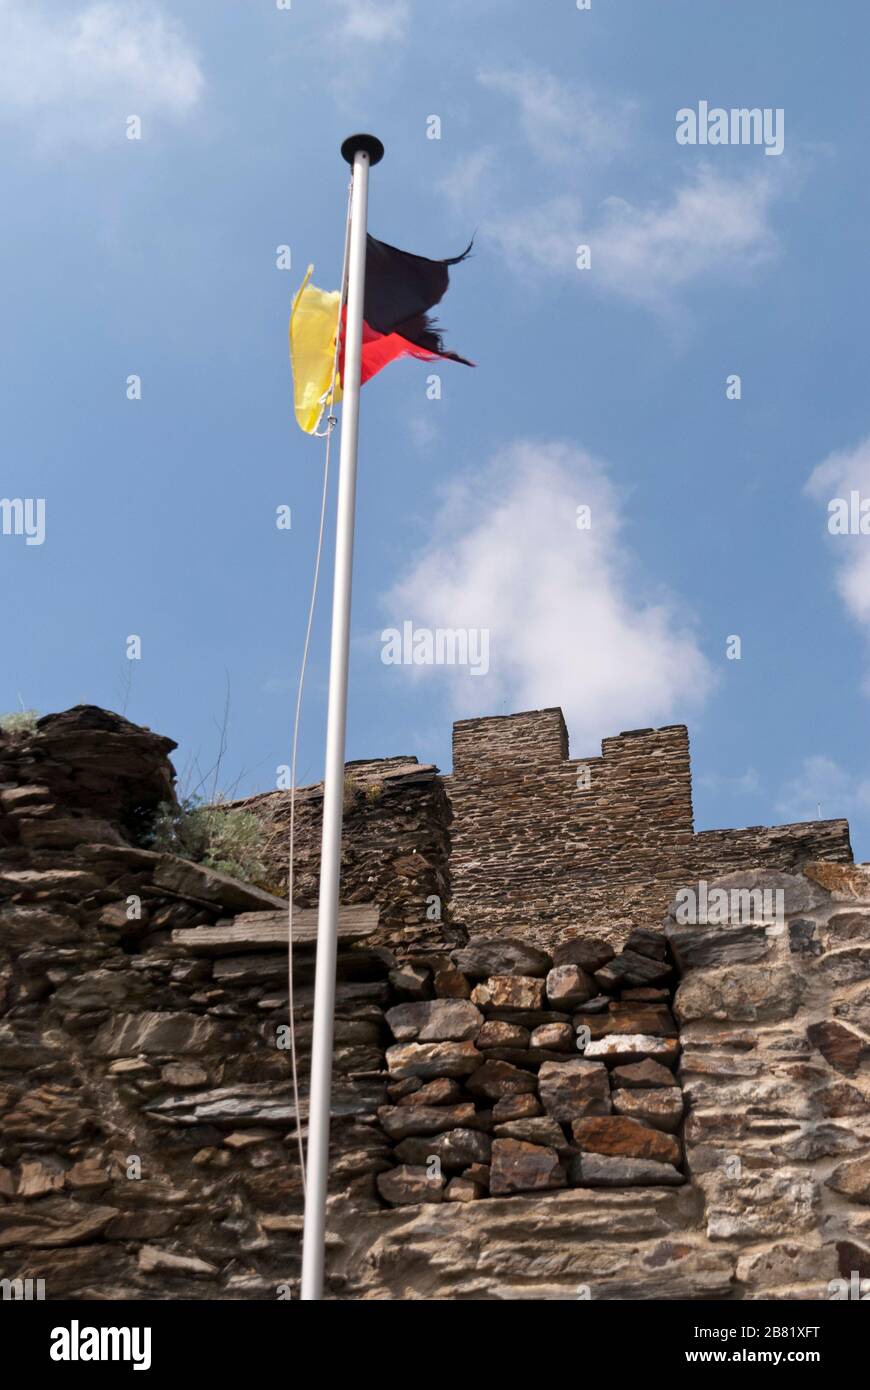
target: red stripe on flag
380 349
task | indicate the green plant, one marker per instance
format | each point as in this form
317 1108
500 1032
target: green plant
21 721
351 792
228 839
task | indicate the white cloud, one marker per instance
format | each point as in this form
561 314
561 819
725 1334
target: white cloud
821 781
839 475
711 226
73 78
470 177
545 237
423 431
569 622
558 123
374 21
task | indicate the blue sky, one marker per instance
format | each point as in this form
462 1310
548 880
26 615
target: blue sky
603 387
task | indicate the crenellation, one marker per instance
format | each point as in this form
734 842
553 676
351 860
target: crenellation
535 841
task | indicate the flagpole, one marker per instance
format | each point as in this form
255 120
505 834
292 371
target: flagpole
361 152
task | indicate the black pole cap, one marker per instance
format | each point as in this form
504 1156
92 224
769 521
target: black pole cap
370 144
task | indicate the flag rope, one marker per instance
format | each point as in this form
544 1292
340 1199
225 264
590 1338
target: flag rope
329 397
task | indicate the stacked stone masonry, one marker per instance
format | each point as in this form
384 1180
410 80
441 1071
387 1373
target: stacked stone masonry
521 838
149 1136
553 842
395 850
527 1073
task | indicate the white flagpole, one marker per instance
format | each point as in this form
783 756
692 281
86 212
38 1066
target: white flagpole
360 151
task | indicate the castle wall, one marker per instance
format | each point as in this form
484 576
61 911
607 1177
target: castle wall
148 1131
395 846
549 844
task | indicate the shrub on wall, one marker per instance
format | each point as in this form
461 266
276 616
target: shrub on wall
20 721
224 838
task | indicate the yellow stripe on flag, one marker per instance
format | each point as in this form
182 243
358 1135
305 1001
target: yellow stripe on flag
313 325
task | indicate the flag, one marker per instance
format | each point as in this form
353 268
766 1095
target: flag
400 291
312 348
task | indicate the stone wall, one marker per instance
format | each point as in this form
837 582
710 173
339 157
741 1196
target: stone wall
552 844
520 838
774 1070
775 1030
490 1096
711 1144
395 847
149 1137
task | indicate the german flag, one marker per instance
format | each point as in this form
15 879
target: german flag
400 291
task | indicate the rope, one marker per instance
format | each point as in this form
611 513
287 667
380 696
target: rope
329 398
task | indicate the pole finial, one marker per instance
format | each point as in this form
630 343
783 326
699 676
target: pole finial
369 143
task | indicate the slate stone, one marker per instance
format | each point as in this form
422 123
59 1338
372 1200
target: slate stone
398 1122
641 1074
702 946
496 1033
571 1089
52 1223
435 1020
766 993
599 1170
629 968
509 992
590 953
415 981
841 1047
501 955
444 1090
516 1107
661 1107
617 1049
852 1180
432 1059
478 1173
540 1130
656 1020
461 1189
409 1186
557 1037
451 984
527 1018
456 1148
497 1079
803 938
599 1005
646 942
843 929
521 1167
620 1137
569 985
126 1035
202 884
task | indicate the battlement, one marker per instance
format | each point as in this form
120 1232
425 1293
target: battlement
546 842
